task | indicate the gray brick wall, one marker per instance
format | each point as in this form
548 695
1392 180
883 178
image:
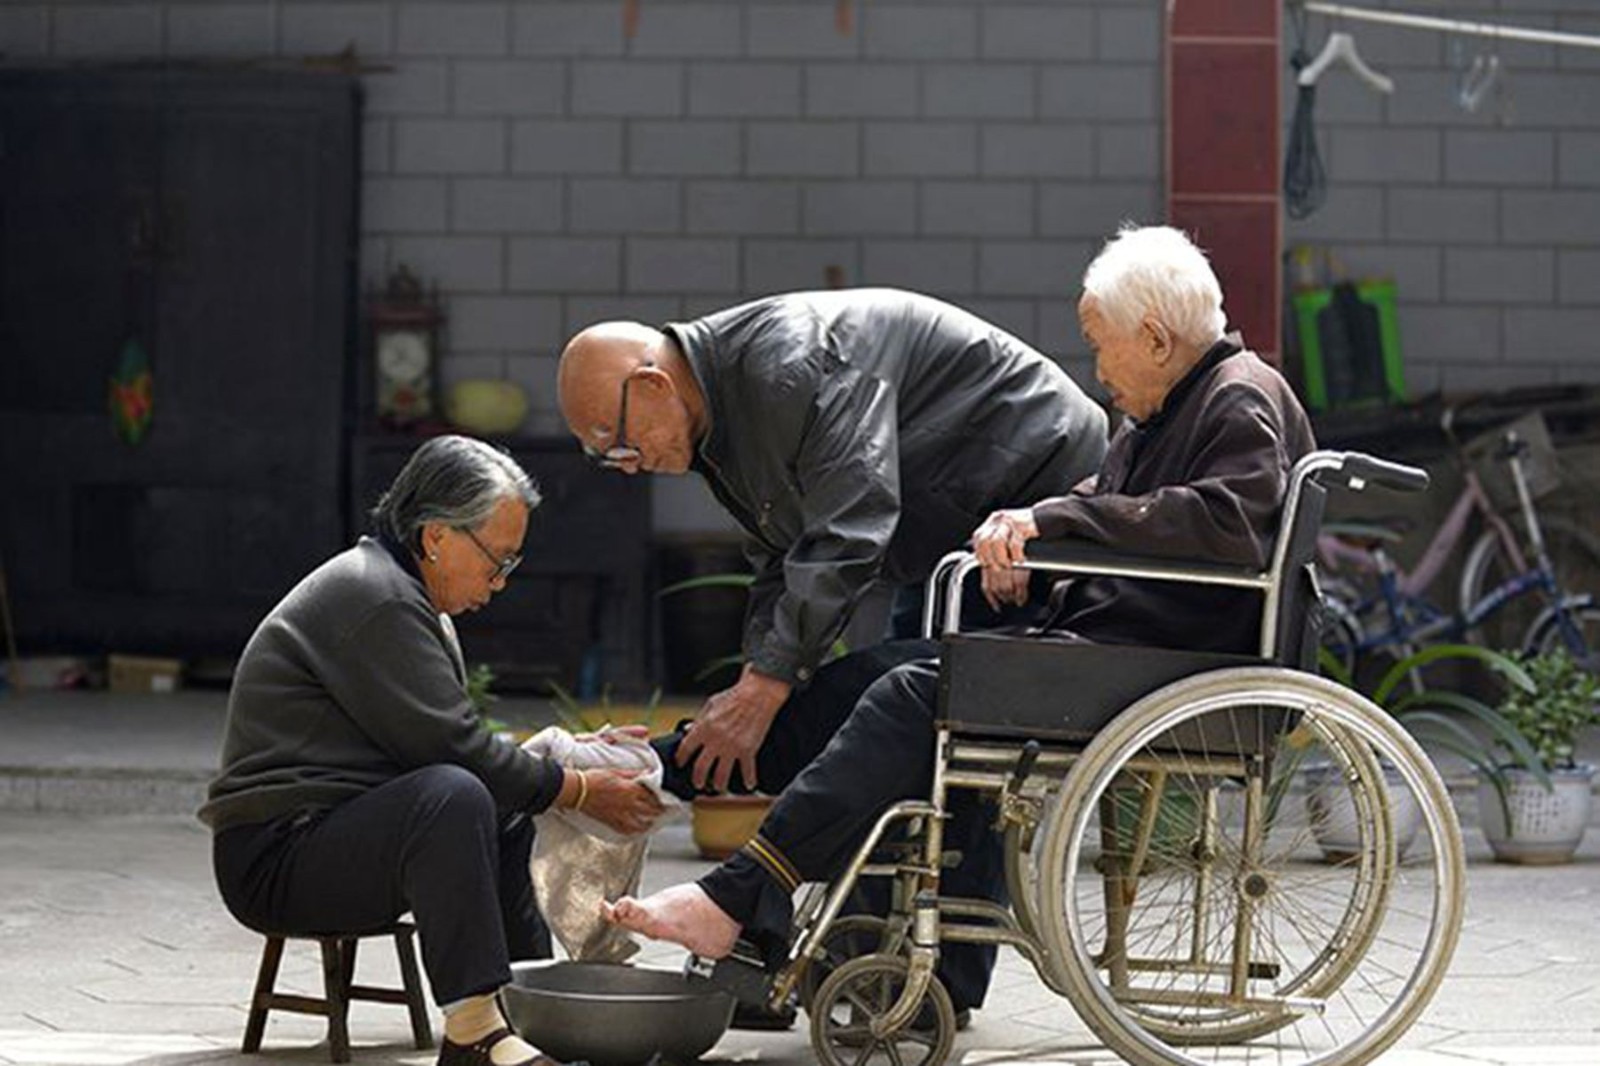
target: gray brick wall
1489 222
549 171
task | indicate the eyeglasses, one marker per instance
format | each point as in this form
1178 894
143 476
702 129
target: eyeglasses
620 455
502 567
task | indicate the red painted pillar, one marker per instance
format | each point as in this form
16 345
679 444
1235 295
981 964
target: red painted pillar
1223 153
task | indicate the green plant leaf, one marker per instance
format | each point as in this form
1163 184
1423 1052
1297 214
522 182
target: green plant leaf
1333 669
1503 731
1499 662
710 581
718 664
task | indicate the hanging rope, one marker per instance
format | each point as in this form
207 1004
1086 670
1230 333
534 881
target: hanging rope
1305 183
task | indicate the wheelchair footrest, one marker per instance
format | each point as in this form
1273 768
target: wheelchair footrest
742 974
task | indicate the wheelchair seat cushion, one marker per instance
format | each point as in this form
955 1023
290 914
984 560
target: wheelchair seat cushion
1052 688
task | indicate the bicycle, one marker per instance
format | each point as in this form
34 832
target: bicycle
1510 588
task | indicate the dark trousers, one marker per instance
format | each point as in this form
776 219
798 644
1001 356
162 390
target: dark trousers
430 842
859 737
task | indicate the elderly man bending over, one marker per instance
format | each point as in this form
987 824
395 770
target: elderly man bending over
1198 470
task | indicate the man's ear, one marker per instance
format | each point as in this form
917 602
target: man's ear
653 378
1158 340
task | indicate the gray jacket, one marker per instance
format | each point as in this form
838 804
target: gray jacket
863 433
348 683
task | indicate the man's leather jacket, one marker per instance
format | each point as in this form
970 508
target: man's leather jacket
859 434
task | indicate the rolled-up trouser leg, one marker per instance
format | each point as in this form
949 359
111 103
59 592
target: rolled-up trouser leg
427 842
883 753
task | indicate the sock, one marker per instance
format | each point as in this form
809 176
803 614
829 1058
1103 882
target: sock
475 1018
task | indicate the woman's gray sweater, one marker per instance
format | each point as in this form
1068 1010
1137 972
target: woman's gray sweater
351 681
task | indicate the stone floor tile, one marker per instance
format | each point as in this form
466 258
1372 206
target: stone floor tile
94 1048
1532 1049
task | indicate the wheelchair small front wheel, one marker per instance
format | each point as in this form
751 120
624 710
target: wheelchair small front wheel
860 992
847 938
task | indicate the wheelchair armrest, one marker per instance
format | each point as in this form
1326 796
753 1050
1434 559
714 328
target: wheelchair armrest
1087 557
942 609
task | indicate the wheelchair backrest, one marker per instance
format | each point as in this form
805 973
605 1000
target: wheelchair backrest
1294 616
1299 618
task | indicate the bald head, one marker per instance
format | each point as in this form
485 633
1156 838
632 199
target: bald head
608 362
596 360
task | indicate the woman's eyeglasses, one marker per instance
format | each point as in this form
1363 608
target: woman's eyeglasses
502 567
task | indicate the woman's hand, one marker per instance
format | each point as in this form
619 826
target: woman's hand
613 797
999 546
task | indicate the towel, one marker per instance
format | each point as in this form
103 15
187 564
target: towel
579 861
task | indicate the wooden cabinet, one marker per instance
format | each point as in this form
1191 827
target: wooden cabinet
577 610
211 215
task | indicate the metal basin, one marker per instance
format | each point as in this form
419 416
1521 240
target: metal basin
614 1015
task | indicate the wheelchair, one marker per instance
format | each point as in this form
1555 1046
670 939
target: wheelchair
1160 846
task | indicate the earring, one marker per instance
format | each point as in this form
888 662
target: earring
433 557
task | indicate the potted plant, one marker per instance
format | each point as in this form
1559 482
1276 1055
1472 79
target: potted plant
1440 718
480 685
578 716
1539 818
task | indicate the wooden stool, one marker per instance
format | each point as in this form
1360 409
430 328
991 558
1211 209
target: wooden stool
338 969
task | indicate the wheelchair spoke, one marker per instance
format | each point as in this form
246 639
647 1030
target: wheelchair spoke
1335 954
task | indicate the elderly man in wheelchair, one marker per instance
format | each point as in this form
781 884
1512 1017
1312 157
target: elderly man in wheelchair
1146 751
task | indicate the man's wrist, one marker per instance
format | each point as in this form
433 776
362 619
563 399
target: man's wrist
768 692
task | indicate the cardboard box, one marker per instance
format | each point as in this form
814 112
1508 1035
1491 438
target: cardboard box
139 673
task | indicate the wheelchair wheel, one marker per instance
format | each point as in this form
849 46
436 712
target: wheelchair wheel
861 991
848 938
1187 900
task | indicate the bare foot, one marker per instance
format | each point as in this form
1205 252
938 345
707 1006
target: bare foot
682 914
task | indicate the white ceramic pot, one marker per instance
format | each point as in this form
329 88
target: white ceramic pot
1545 825
1333 812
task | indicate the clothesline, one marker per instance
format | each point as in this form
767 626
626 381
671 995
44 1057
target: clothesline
1480 29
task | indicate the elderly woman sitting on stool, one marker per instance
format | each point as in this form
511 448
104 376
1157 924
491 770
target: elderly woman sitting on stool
358 784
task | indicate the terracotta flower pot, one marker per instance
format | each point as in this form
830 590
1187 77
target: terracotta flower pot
723 824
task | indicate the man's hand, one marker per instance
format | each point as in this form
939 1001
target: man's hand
998 544
730 729
614 798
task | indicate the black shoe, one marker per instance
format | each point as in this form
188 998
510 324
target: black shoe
924 1018
477 1053
762 1018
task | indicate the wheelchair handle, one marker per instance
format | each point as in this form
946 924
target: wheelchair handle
1390 475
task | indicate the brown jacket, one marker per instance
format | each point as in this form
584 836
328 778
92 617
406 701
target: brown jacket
1203 479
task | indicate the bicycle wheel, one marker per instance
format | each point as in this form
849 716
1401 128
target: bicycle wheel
1574 552
1342 634
1547 633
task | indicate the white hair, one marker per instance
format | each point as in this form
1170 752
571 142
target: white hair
1157 272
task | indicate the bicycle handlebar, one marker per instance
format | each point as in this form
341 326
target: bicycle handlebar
1390 475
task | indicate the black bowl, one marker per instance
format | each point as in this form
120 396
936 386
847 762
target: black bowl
614 1015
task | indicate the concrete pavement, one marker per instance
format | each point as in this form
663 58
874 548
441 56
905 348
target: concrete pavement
115 949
